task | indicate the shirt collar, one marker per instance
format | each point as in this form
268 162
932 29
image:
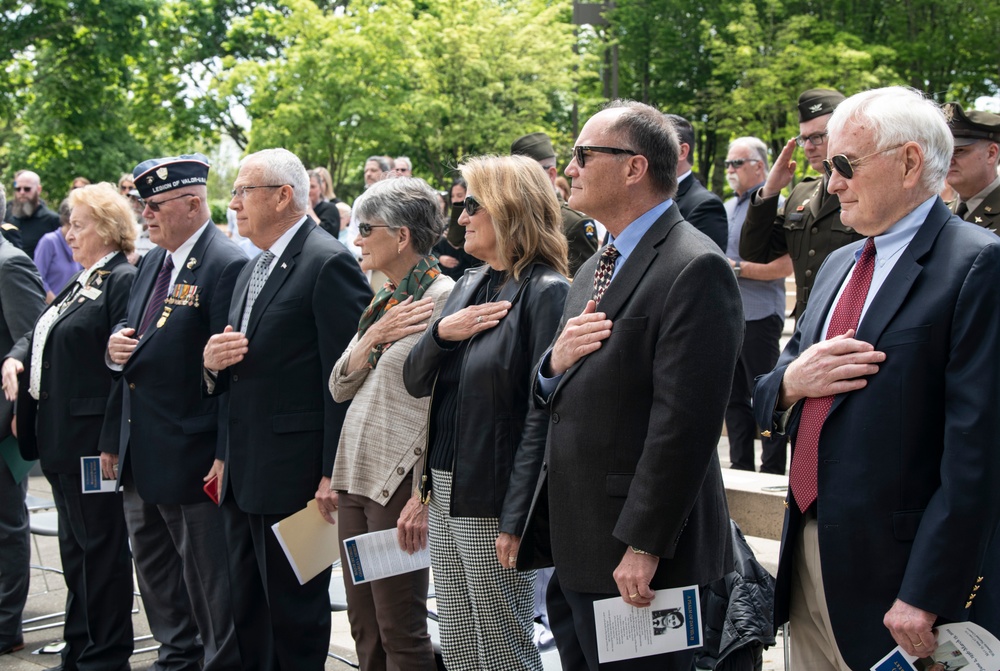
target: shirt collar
749 192
89 272
630 237
279 246
181 254
899 235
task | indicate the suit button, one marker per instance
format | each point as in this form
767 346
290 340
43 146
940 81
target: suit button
814 230
555 418
385 493
417 450
812 252
809 273
236 378
44 395
400 470
131 385
46 365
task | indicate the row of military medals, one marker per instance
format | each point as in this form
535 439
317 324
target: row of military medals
183 294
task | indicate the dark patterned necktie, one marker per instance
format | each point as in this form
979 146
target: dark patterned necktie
805 457
257 280
605 269
160 289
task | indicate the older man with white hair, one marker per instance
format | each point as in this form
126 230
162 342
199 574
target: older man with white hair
889 390
294 309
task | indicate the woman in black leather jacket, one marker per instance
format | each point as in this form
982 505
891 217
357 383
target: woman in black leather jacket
486 443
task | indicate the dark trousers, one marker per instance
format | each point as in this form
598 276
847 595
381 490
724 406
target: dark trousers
93 545
180 557
758 356
388 617
280 625
15 550
571 616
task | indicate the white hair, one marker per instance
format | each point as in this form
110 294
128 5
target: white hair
896 115
756 145
280 166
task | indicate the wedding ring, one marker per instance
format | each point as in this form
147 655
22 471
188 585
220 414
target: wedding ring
632 596
918 645
479 319
512 558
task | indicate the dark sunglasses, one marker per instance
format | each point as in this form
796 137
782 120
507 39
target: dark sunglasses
845 167
365 229
472 206
23 189
738 162
580 152
816 139
155 207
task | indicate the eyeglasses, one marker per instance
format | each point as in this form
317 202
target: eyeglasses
23 189
580 152
366 229
472 206
816 139
845 166
155 207
738 162
241 191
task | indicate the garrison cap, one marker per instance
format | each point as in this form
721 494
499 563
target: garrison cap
817 102
159 175
534 145
967 127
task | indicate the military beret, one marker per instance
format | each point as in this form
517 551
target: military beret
967 127
534 145
159 175
817 102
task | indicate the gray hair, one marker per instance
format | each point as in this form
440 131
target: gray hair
756 145
406 160
404 202
382 163
896 115
3 199
280 166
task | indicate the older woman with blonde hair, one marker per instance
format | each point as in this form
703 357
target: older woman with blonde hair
58 375
379 458
486 443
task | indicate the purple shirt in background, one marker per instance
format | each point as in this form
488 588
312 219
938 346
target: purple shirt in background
55 261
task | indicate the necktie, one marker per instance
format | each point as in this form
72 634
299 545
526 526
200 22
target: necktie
155 304
605 269
962 209
257 280
847 313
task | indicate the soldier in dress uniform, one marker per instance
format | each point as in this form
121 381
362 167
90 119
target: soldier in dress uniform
973 172
580 230
808 226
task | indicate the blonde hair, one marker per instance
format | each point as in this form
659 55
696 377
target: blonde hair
517 194
113 216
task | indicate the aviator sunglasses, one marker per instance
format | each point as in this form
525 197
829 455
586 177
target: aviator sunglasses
845 166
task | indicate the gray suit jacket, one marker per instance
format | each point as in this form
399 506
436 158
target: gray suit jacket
22 299
634 427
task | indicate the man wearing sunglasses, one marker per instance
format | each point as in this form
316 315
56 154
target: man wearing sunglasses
161 435
889 390
808 225
632 494
29 214
973 172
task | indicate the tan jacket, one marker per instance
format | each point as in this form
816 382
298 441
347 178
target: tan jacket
385 431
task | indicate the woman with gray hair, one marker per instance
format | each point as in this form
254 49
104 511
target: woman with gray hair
377 472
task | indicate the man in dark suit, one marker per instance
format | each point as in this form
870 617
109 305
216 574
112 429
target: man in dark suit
700 207
22 299
294 309
159 427
889 390
973 172
631 497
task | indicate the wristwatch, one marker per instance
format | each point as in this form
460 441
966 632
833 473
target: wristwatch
737 269
637 551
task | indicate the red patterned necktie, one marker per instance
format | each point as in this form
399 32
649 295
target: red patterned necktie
605 269
805 457
159 295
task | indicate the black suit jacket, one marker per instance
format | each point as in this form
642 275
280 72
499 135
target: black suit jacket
65 423
908 465
22 299
632 452
158 422
703 209
283 423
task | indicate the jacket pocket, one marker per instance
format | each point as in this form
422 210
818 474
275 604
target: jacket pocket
630 324
617 484
298 421
909 336
79 407
905 524
200 424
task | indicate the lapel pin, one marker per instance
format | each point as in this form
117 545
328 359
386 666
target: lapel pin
284 265
191 262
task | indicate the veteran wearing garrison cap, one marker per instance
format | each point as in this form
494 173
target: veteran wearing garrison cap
808 226
580 230
973 171
160 430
